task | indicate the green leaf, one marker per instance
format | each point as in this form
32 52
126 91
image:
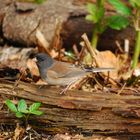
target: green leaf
11 105
36 112
118 22
92 16
120 7
19 114
135 3
95 14
34 106
91 8
22 106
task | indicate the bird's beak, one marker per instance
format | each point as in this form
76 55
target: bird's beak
34 60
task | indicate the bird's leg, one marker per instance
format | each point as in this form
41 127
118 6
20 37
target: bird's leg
67 87
72 83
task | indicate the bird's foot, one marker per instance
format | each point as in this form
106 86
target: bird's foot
63 91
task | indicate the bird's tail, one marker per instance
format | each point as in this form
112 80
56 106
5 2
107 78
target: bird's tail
99 69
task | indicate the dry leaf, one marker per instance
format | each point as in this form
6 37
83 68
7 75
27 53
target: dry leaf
106 59
19 131
31 65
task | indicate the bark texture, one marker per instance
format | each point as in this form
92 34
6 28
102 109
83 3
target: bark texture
78 111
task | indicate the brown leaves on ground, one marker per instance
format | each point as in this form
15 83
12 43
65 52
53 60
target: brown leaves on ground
80 137
19 59
106 59
33 67
19 131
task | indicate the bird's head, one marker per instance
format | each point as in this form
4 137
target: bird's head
43 60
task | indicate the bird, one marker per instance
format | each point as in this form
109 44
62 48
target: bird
61 73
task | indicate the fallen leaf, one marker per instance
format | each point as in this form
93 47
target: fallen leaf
19 131
106 59
31 65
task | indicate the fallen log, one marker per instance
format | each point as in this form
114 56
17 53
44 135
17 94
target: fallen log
76 111
62 24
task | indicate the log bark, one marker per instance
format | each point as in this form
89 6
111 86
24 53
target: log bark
76 111
20 24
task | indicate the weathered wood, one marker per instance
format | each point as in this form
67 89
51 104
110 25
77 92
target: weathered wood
77 110
20 25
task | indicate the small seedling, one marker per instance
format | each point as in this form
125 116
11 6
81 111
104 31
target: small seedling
22 111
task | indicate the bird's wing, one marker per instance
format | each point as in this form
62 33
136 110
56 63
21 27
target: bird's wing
62 70
52 74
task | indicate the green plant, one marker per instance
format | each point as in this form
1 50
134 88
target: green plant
123 17
101 21
22 111
136 24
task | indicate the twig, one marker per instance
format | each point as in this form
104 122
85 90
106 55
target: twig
119 46
17 82
76 50
42 42
88 46
119 92
98 83
82 53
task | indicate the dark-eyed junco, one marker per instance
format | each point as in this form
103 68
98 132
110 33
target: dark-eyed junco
61 73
